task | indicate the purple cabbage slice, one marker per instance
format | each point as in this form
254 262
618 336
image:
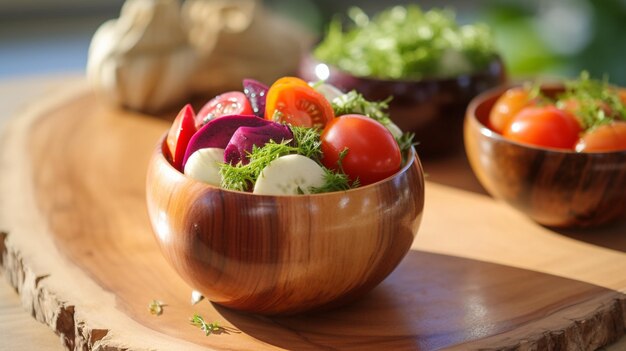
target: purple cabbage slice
244 138
217 132
256 93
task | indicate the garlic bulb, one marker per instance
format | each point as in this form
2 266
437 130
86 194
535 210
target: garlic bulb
157 55
142 60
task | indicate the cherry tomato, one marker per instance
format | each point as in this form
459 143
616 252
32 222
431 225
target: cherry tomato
507 106
373 153
297 103
608 137
231 103
290 80
179 135
545 126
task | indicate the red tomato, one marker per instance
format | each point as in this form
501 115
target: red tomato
373 153
179 135
545 126
608 137
231 103
297 103
507 106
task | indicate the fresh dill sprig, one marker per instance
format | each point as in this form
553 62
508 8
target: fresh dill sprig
354 102
308 141
335 181
240 177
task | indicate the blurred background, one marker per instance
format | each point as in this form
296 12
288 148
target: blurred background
536 37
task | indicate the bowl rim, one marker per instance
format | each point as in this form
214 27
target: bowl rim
487 71
487 132
411 159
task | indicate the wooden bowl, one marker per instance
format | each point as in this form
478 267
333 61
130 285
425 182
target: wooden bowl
283 254
432 108
556 188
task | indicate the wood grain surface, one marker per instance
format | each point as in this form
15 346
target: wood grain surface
479 275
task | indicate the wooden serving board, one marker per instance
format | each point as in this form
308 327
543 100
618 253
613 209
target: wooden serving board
79 249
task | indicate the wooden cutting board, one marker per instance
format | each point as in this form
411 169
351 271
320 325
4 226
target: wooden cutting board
79 249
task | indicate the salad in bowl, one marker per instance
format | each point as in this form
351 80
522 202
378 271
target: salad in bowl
286 198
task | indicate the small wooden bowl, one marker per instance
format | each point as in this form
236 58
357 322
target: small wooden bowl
556 188
283 254
432 108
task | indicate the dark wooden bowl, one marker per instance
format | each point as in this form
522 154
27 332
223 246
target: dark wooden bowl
432 108
556 188
283 254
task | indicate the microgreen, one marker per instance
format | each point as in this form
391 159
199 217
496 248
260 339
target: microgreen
597 101
210 328
406 42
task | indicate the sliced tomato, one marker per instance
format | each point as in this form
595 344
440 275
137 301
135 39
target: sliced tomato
231 103
372 152
291 100
608 137
179 135
545 126
290 81
507 106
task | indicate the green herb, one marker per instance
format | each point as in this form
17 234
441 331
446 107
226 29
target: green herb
308 141
210 328
240 177
406 42
336 180
596 101
354 102
405 142
156 307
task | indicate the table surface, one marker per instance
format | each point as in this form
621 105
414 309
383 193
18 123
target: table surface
18 330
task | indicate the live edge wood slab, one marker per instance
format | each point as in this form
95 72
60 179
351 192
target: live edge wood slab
77 245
